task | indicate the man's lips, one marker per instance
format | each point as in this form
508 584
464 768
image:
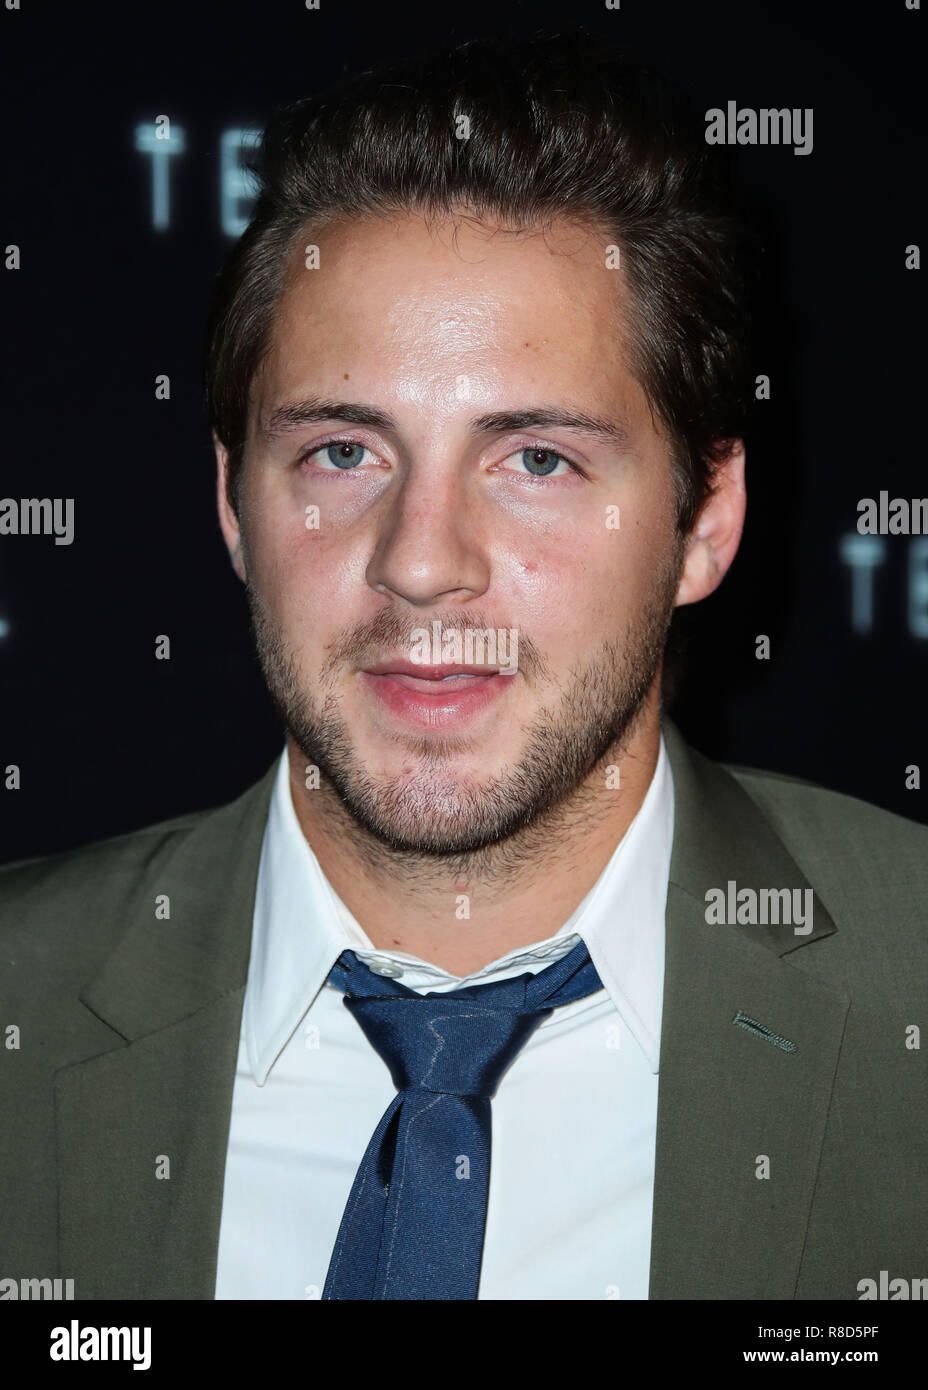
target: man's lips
433 680
434 696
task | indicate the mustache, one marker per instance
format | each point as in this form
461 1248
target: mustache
390 633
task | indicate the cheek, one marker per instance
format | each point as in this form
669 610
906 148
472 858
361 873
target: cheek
551 590
584 585
307 589
294 551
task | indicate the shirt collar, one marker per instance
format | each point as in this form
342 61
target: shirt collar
301 927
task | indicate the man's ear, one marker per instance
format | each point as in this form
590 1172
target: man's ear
713 542
228 521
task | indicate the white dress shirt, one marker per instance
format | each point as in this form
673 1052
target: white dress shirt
573 1120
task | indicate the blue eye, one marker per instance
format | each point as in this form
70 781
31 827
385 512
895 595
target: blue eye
342 454
347 455
541 462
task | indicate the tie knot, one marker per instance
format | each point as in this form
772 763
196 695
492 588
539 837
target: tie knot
448 1044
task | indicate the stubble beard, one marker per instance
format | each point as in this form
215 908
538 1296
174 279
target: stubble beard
431 813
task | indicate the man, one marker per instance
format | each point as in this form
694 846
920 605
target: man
492 987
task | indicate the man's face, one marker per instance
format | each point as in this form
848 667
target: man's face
555 536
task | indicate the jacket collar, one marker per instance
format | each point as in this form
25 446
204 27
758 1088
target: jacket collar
728 1097
164 970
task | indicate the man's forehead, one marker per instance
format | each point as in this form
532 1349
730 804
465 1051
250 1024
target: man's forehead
401 264
524 326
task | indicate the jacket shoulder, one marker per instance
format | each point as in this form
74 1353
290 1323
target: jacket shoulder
68 908
73 904
868 865
797 807
54 873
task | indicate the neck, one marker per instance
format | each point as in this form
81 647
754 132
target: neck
461 912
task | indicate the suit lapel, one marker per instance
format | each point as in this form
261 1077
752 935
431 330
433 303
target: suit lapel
142 1129
729 1098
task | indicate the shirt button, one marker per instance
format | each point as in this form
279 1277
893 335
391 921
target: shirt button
385 967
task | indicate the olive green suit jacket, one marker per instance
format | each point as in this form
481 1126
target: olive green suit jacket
792 1144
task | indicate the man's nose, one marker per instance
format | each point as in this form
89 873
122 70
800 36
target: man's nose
432 542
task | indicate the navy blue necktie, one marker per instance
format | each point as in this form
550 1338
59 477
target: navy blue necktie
414 1222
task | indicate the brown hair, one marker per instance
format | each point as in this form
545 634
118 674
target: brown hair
560 126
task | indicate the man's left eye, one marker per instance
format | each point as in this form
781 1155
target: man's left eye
340 453
541 463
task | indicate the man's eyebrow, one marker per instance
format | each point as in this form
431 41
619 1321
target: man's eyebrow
551 417
294 414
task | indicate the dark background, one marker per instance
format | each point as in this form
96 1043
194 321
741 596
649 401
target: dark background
107 737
